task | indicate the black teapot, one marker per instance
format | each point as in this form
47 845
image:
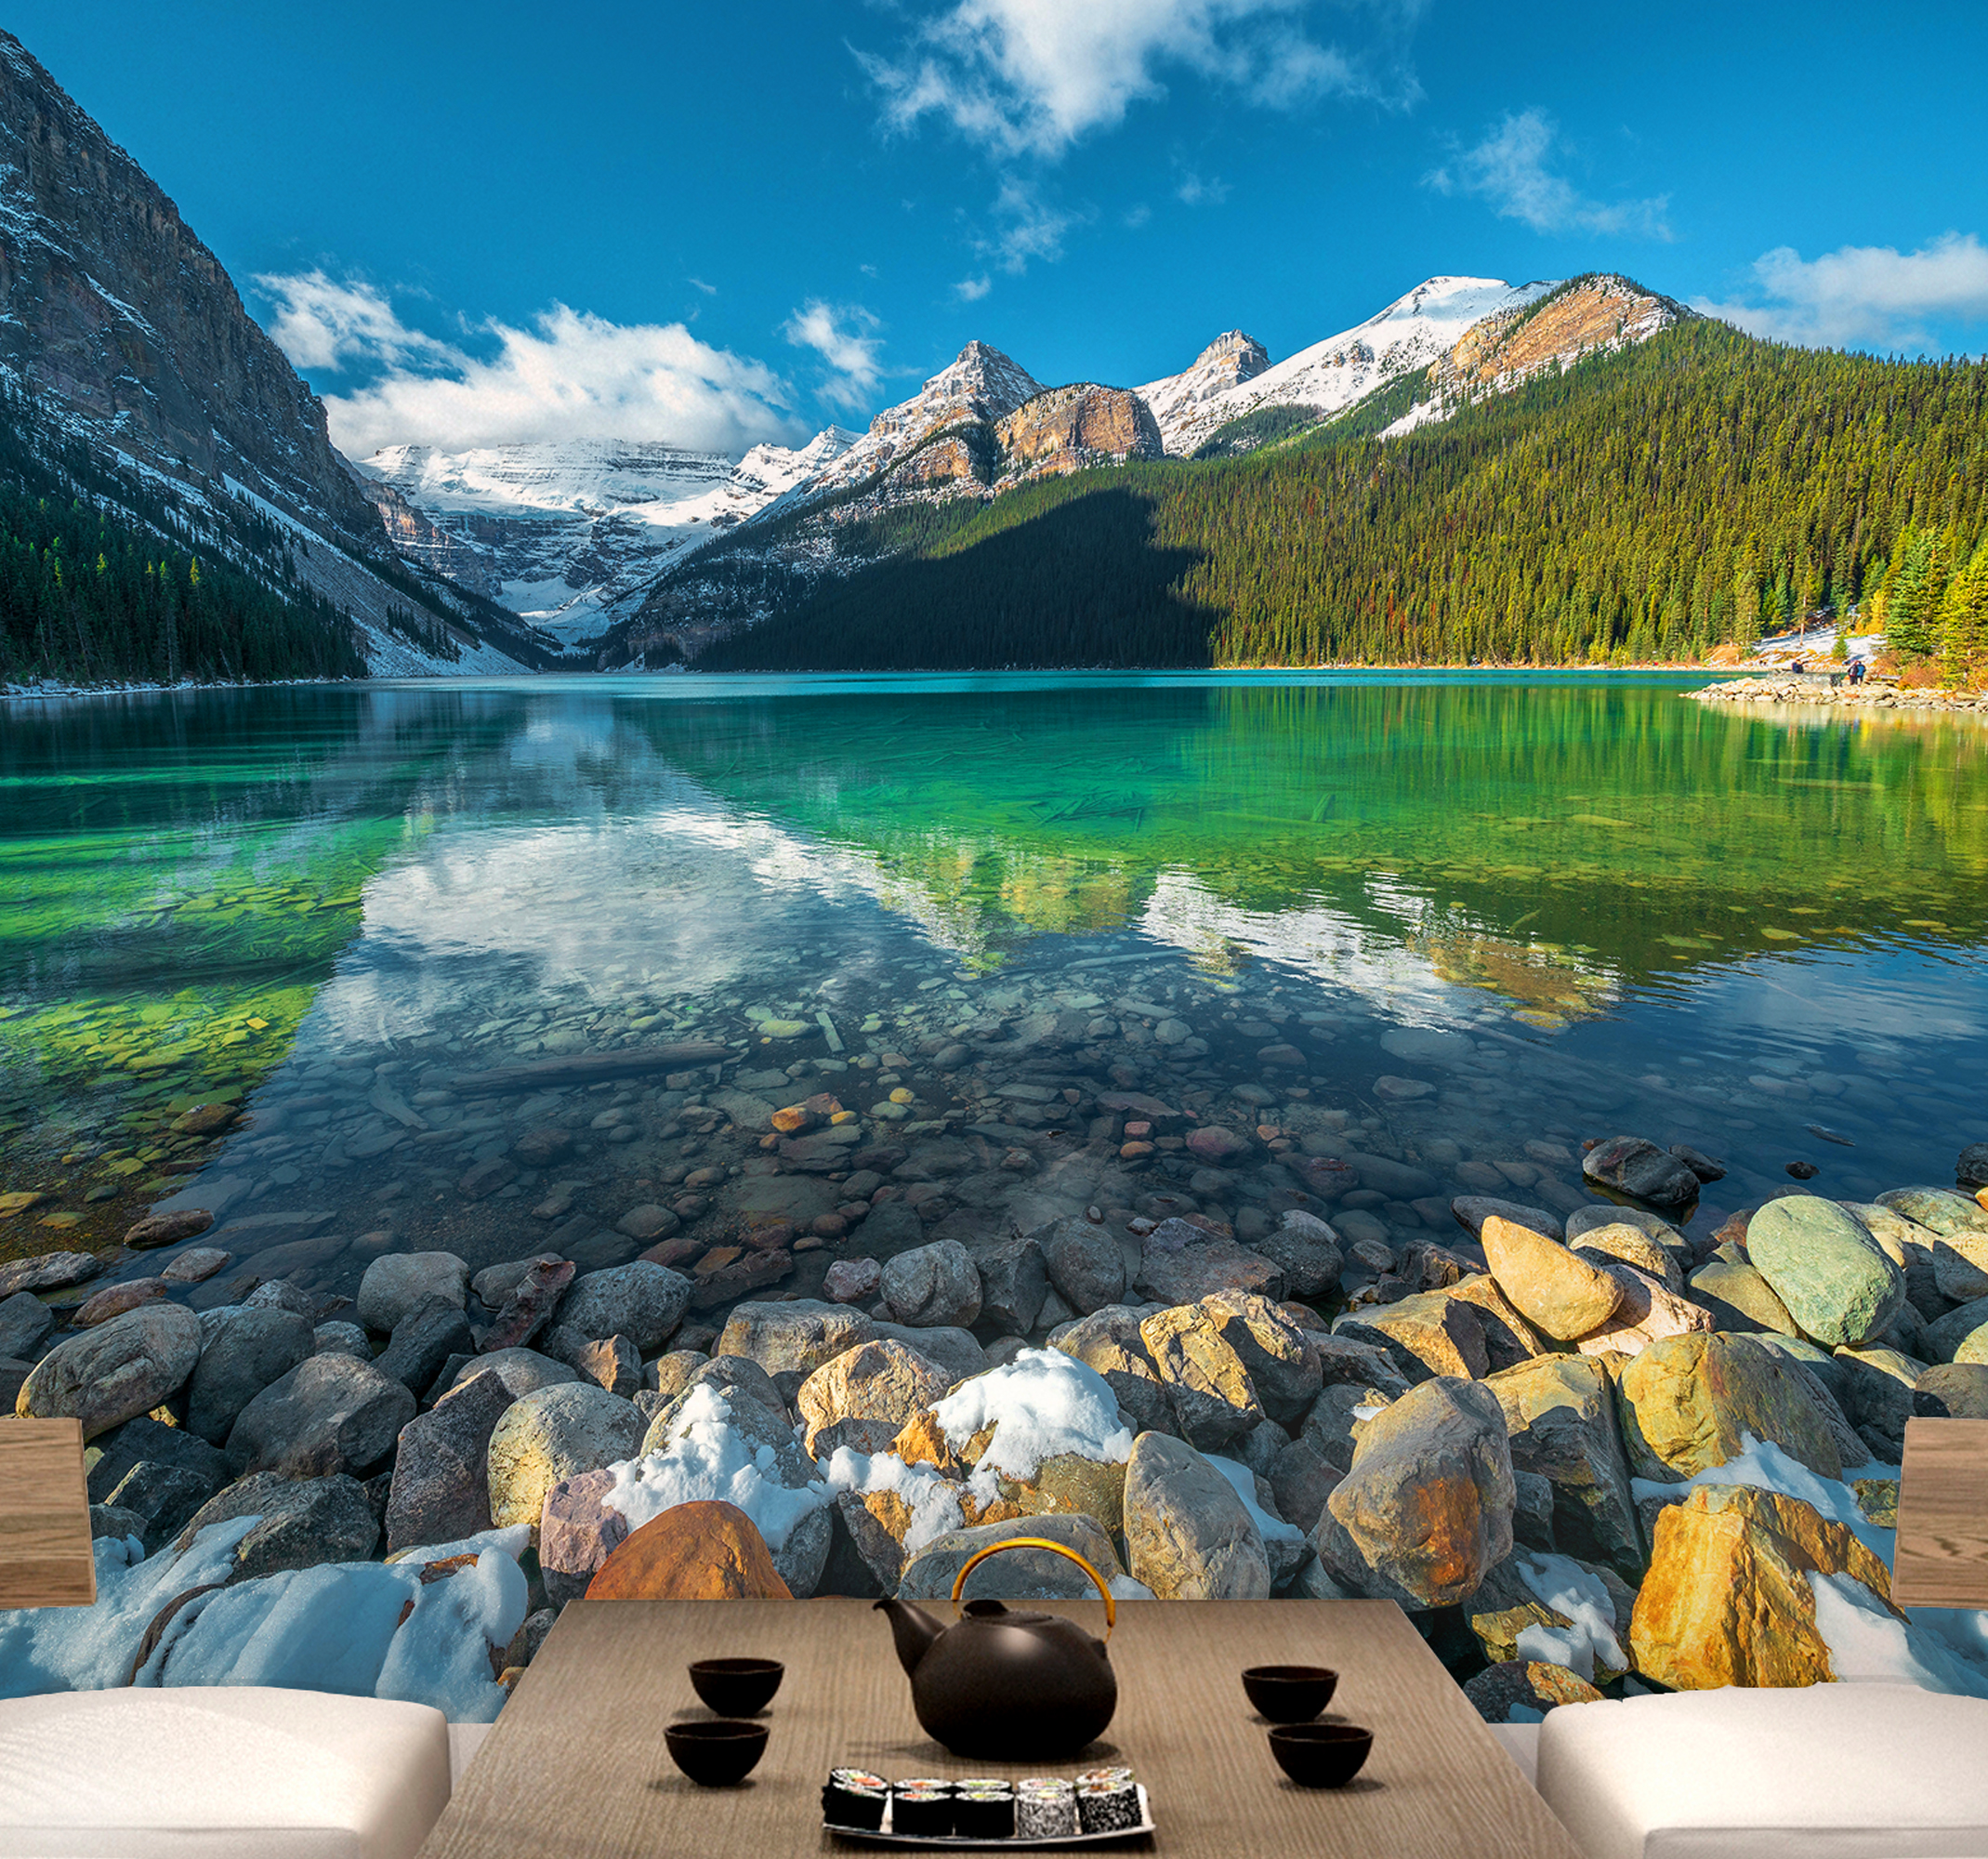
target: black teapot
1003 1685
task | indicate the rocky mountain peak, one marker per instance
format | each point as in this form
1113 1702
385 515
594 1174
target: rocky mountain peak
1584 316
1235 353
127 328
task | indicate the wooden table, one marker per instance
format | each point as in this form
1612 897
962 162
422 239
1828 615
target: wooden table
577 1766
1942 1554
46 1557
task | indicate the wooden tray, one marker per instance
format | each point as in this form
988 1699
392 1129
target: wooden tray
884 1837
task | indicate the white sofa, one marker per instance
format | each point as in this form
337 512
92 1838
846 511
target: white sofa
1834 1772
221 1773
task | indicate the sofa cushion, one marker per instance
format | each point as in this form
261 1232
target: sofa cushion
218 1772
1874 1771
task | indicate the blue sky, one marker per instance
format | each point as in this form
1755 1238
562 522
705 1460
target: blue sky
717 225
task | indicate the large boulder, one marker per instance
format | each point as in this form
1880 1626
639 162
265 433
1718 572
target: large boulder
329 1414
640 1301
865 1396
1181 1262
441 1489
1730 1595
1014 1281
1470 1212
933 1286
116 1372
1559 1413
24 1321
1429 1334
1307 1251
423 1341
523 1371
1825 1267
163 1497
1688 1403
1280 1356
302 1523
1189 1536
1426 1510
397 1283
954 1350
789 1341
1632 1245
1214 1401
1952 1390
550 1434
1020 1575
1878 1388
1112 1342
251 1350
1631 1166
1564 1294
1940 1210
1083 1263
702 1551
729 1374
145 1441
1959 1336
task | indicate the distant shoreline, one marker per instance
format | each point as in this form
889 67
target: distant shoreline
1771 689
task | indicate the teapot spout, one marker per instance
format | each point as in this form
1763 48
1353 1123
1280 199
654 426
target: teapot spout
911 1628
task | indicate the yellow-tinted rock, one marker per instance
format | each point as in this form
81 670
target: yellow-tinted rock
1562 1293
1727 1600
1686 1402
699 1551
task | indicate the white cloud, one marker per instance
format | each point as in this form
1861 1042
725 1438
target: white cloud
570 375
1030 77
1027 227
1864 296
321 322
1202 191
1509 168
971 290
1137 216
841 335
709 290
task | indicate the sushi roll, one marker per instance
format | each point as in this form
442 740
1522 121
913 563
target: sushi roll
1108 1807
1045 1812
986 1812
922 1812
855 1803
1103 1778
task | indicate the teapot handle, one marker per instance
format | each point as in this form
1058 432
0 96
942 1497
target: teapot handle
1111 1606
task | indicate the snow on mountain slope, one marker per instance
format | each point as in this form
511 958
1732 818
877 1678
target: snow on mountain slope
1226 363
570 530
1413 332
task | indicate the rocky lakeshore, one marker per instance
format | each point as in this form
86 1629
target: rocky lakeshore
1770 689
1585 1450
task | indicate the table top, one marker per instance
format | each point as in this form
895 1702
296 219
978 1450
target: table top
46 1557
1942 1554
577 1766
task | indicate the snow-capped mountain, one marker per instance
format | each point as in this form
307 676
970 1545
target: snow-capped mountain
1229 360
1411 334
568 531
981 385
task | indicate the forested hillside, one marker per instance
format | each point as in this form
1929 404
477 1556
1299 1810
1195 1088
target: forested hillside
1703 487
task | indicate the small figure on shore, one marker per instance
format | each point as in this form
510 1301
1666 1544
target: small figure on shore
1856 672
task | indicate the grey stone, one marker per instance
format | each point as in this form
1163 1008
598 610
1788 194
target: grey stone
146 1441
1013 1281
303 1522
1188 1534
1632 1166
613 1362
1971 1169
340 1339
522 1370
1306 1250
789 1341
1302 1479
25 1322
195 1265
1953 1391
163 1496
423 1340
1560 1418
1021 1574
933 1286
640 1301
279 1294
1083 1262
1472 1210
1110 1341
253 1349
1877 1393
116 1372
329 1414
440 1490
49 1272
494 1284
397 1283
